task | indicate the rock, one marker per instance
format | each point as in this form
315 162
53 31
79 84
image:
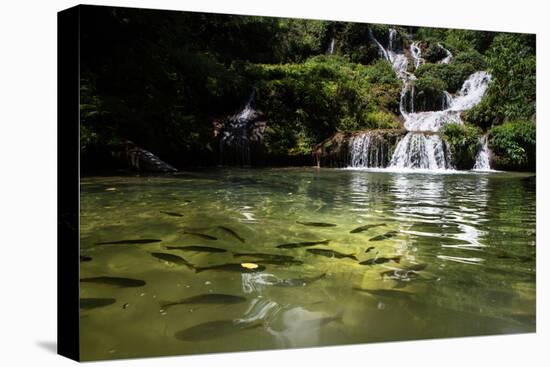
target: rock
141 159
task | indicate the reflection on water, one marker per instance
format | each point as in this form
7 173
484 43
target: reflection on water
448 255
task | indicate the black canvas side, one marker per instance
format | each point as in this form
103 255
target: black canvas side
68 265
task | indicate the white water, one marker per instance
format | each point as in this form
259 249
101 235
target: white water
236 134
420 148
368 150
482 156
416 54
330 50
446 59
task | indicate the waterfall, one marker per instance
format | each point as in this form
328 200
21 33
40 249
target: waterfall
482 156
446 59
421 148
369 150
235 140
416 54
421 151
330 49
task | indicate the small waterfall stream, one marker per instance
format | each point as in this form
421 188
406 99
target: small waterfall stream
482 156
422 147
235 140
330 49
369 150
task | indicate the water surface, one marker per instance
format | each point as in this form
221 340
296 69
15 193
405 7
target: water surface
474 233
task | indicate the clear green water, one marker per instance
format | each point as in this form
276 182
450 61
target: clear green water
475 232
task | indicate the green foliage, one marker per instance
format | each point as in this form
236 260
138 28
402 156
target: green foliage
514 144
160 78
453 75
463 141
461 40
471 57
306 103
300 38
434 53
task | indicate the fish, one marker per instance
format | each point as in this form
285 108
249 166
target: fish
381 260
298 282
201 235
366 227
90 303
173 214
232 233
369 249
330 253
316 224
206 299
303 244
196 248
389 293
384 236
115 281
278 261
84 258
259 255
174 259
215 329
233 267
129 242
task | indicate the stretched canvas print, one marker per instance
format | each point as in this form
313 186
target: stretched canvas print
232 183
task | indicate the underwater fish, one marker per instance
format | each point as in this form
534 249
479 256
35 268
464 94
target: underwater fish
233 267
201 235
84 258
90 303
298 282
129 242
194 248
206 299
389 293
316 224
174 259
215 329
259 255
277 261
173 214
232 233
369 249
330 253
366 227
384 236
114 281
381 260
303 244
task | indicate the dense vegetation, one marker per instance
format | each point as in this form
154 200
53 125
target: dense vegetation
162 78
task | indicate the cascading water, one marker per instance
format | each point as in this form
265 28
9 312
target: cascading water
446 59
369 150
416 54
482 156
419 150
330 49
235 138
422 147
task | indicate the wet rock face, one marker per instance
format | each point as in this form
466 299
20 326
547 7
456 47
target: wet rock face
141 159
